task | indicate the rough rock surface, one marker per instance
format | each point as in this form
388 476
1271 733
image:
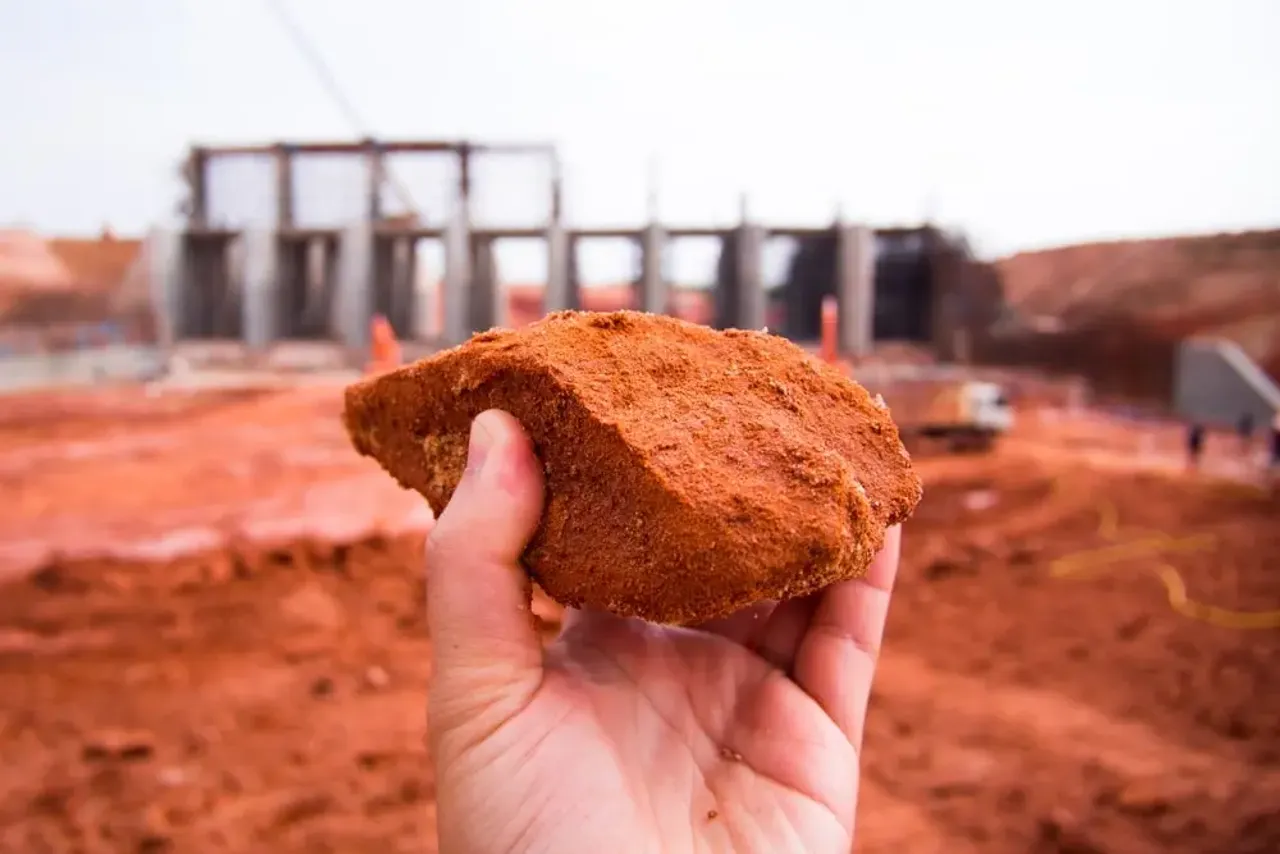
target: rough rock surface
689 472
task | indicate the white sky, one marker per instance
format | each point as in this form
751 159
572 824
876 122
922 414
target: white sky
1024 124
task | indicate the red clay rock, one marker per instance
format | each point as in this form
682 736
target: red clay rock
690 472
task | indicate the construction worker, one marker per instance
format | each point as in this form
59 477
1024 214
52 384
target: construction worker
1274 460
1195 444
1244 431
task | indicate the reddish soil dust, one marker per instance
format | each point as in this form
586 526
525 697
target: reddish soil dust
212 640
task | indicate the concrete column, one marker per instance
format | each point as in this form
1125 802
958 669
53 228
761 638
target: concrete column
855 288
574 277
317 267
392 285
353 296
725 290
384 278
168 283
325 293
654 292
457 279
228 319
562 285
198 188
402 291
284 186
373 191
425 294
749 302
486 307
259 275
946 310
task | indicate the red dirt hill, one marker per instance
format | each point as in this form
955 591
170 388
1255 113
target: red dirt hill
97 263
49 283
1142 296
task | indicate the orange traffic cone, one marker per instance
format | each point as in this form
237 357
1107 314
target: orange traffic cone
830 318
830 348
384 348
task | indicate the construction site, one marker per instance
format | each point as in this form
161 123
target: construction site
212 632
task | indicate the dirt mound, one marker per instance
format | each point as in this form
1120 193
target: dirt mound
1154 292
97 264
28 265
49 288
1167 278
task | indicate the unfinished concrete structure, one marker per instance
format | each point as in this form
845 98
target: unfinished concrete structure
1215 382
922 288
284 281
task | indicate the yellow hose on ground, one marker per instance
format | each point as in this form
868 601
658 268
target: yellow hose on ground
1085 564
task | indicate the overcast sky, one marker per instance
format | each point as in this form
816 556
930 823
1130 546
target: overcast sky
1025 124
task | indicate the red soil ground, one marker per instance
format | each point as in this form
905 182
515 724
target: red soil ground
212 639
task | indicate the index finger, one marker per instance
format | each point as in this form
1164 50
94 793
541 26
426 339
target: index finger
836 659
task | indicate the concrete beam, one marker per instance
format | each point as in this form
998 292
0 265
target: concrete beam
654 290
855 288
165 253
259 274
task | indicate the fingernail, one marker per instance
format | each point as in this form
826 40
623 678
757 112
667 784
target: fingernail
478 447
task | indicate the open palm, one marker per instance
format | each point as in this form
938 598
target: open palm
625 736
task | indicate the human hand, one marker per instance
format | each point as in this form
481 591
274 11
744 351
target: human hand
620 735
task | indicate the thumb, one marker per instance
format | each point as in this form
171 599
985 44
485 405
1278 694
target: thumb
486 648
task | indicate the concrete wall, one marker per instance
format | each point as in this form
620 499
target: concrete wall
1216 382
29 372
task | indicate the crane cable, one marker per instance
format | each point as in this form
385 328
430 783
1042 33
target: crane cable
329 82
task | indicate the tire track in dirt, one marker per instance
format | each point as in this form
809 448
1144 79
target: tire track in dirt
1067 771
